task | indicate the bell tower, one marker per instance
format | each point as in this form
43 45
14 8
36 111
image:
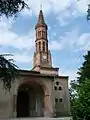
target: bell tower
42 56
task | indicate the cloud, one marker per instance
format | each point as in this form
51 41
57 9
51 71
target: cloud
82 5
73 10
84 41
65 10
26 12
9 38
5 23
13 43
54 45
71 73
22 58
48 5
72 40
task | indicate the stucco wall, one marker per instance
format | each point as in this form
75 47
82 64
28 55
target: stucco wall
63 107
5 103
49 72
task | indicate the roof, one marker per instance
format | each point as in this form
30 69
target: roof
36 73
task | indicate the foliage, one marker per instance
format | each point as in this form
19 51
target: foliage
84 71
80 92
80 106
11 7
8 72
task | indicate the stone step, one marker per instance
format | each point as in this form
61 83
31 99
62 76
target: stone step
44 118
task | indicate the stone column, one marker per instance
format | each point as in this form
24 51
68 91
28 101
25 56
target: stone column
47 106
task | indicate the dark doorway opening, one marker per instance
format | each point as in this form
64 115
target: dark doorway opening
22 104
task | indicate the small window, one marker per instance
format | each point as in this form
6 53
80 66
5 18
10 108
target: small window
56 100
55 87
39 33
43 34
60 88
39 46
43 46
57 83
60 100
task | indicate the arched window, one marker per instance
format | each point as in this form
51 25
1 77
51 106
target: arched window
43 34
43 46
57 83
39 46
60 100
39 33
55 87
60 88
56 100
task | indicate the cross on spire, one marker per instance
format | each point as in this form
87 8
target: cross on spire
41 7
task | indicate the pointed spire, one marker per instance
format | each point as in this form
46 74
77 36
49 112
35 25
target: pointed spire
41 21
41 18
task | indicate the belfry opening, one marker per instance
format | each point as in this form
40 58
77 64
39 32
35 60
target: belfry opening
30 101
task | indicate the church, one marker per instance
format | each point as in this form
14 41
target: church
41 91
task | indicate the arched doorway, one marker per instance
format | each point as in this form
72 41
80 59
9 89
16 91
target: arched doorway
23 104
30 100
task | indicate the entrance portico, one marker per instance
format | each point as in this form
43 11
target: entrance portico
32 100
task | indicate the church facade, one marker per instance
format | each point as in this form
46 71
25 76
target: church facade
40 92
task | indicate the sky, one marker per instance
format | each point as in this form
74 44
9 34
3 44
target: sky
68 34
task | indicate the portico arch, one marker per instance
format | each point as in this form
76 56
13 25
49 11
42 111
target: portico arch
39 104
35 82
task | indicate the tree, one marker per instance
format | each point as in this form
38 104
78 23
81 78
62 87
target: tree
84 71
84 99
8 72
80 104
80 92
11 7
